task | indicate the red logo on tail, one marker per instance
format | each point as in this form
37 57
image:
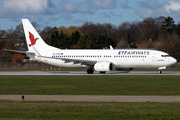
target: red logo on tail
33 41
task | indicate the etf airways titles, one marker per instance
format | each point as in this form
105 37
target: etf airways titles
133 53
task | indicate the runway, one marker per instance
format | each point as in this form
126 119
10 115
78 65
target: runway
92 98
84 73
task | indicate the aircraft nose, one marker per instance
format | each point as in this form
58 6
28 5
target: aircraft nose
173 60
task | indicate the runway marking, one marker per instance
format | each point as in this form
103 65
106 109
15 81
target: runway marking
93 98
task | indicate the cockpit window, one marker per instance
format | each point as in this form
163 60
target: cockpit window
165 56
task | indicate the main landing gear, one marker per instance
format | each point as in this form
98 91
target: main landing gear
90 71
159 71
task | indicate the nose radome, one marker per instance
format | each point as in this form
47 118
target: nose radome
173 60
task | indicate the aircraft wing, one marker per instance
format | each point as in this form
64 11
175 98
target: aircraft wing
77 61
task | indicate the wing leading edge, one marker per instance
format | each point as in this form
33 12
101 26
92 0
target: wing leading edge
75 61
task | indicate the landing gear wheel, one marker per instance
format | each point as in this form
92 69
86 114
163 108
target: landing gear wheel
102 72
90 71
159 71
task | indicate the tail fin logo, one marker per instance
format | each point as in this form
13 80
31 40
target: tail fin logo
33 40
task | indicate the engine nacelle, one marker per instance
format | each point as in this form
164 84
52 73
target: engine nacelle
124 69
103 66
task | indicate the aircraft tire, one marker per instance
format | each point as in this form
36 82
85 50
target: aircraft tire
90 71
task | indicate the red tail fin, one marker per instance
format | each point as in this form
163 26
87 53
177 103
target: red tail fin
31 37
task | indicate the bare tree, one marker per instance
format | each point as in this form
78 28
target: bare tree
149 30
46 32
169 44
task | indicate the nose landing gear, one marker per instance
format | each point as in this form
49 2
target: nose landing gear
160 69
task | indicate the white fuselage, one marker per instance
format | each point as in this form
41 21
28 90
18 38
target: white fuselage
100 60
120 58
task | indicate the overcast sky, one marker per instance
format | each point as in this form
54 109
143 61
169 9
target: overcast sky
67 13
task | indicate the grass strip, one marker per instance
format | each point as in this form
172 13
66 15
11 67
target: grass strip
88 110
90 85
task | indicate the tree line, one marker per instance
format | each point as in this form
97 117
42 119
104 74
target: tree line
159 33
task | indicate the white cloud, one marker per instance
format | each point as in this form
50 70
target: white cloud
145 12
170 8
89 6
69 7
172 5
104 4
149 4
34 18
86 7
150 8
14 8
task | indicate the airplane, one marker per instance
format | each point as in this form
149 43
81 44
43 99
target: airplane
101 60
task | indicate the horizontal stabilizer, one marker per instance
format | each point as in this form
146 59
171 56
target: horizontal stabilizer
29 54
15 51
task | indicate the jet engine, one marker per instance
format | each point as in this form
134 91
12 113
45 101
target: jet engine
103 66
